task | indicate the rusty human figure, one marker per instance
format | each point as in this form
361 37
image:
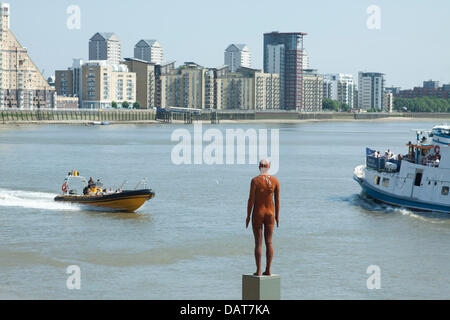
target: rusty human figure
263 214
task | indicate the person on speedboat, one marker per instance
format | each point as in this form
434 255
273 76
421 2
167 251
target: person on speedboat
99 184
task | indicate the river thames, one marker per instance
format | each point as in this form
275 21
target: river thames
190 242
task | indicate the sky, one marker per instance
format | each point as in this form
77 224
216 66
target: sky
407 40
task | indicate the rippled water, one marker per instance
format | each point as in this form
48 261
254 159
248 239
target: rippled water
190 242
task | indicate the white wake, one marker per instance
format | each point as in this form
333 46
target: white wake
33 200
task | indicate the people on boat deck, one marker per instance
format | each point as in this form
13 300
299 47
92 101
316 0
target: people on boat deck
99 184
389 155
94 188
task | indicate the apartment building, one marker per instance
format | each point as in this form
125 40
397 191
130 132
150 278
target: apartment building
150 51
429 89
248 89
186 87
69 83
146 81
237 56
339 87
22 85
312 91
105 46
104 83
388 102
284 54
371 90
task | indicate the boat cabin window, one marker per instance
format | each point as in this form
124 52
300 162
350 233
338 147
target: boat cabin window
377 180
385 182
445 191
418 181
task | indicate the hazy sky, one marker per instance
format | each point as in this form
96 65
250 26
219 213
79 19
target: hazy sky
411 45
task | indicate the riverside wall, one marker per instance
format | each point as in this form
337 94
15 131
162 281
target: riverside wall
152 116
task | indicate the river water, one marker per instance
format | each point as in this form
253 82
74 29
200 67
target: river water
190 242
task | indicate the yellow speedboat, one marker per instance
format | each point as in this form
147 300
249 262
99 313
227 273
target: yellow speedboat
97 198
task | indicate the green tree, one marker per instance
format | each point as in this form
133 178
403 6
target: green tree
136 105
125 104
424 104
345 107
114 105
331 105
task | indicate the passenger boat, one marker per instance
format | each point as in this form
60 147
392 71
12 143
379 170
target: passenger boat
419 180
99 198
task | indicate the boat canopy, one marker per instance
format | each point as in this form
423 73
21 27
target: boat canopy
427 147
442 130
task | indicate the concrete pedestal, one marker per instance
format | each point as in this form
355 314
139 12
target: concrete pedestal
261 288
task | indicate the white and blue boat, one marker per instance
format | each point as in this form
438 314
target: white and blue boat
419 180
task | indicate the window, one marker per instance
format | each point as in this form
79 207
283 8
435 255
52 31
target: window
377 180
385 182
445 191
418 181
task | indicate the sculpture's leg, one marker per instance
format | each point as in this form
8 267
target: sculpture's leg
257 232
268 233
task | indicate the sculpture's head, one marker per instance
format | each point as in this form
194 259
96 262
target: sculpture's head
264 166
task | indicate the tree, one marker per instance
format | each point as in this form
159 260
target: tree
345 107
329 104
125 104
114 105
136 105
335 106
424 104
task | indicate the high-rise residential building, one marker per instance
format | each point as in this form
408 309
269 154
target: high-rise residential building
150 51
355 98
185 87
248 89
388 102
104 83
64 83
194 87
237 56
274 56
21 83
68 83
339 87
105 46
371 90
146 79
305 60
312 91
284 55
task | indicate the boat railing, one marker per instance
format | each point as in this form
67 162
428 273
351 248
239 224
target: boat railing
382 164
144 184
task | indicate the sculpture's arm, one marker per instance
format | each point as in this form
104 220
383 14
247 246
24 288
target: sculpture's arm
251 202
277 203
